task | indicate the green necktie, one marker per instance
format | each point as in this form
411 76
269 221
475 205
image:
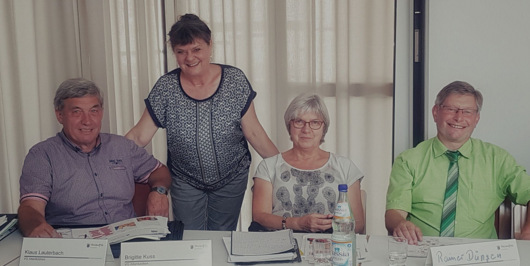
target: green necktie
447 226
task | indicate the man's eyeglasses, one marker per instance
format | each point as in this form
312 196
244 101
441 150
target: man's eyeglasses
315 124
454 110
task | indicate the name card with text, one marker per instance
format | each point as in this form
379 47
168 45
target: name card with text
501 252
61 251
181 252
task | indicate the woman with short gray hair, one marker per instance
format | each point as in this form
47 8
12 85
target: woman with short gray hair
297 189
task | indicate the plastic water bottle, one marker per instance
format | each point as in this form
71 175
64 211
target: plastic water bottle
343 240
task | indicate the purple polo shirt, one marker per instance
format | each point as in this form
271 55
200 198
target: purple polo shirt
85 188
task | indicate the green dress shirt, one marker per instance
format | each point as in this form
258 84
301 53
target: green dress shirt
488 174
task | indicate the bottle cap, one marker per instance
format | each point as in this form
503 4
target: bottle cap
343 187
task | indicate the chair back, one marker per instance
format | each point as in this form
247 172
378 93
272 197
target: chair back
518 219
363 201
503 220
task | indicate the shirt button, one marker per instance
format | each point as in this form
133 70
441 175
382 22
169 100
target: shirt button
106 213
101 195
96 174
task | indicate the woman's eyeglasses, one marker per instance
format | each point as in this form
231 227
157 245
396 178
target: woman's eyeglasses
299 123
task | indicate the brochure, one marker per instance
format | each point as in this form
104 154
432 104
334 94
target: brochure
149 227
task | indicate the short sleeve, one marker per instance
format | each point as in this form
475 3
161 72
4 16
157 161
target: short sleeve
142 162
264 172
516 180
399 193
36 178
252 94
353 172
349 172
160 97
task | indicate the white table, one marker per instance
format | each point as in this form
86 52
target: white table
377 249
377 243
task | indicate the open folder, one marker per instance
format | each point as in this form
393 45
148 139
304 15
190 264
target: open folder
8 224
262 246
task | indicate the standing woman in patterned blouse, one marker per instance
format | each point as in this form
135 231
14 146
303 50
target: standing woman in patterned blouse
298 188
208 112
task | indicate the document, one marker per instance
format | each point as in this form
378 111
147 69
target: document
58 251
3 220
262 243
262 246
285 256
8 224
423 247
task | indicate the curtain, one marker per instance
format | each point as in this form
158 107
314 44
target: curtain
118 44
342 50
123 51
33 58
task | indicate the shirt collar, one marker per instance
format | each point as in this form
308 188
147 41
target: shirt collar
76 148
466 149
439 148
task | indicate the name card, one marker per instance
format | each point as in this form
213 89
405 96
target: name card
182 252
501 252
62 251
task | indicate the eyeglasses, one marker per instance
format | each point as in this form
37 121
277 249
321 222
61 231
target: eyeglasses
454 110
299 123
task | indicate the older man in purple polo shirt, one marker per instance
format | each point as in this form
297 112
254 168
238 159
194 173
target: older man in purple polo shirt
82 176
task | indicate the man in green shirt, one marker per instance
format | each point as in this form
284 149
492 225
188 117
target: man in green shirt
486 175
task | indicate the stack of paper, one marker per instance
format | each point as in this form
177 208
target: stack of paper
7 224
149 227
262 246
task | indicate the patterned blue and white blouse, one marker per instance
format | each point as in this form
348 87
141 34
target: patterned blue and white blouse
206 145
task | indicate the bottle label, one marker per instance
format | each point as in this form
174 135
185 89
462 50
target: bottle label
342 210
342 253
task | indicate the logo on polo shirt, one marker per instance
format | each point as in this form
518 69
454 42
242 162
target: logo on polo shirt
116 164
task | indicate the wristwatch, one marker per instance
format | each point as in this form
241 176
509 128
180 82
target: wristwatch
161 190
284 222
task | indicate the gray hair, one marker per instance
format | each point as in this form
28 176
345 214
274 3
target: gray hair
304 103
75 88
459 87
